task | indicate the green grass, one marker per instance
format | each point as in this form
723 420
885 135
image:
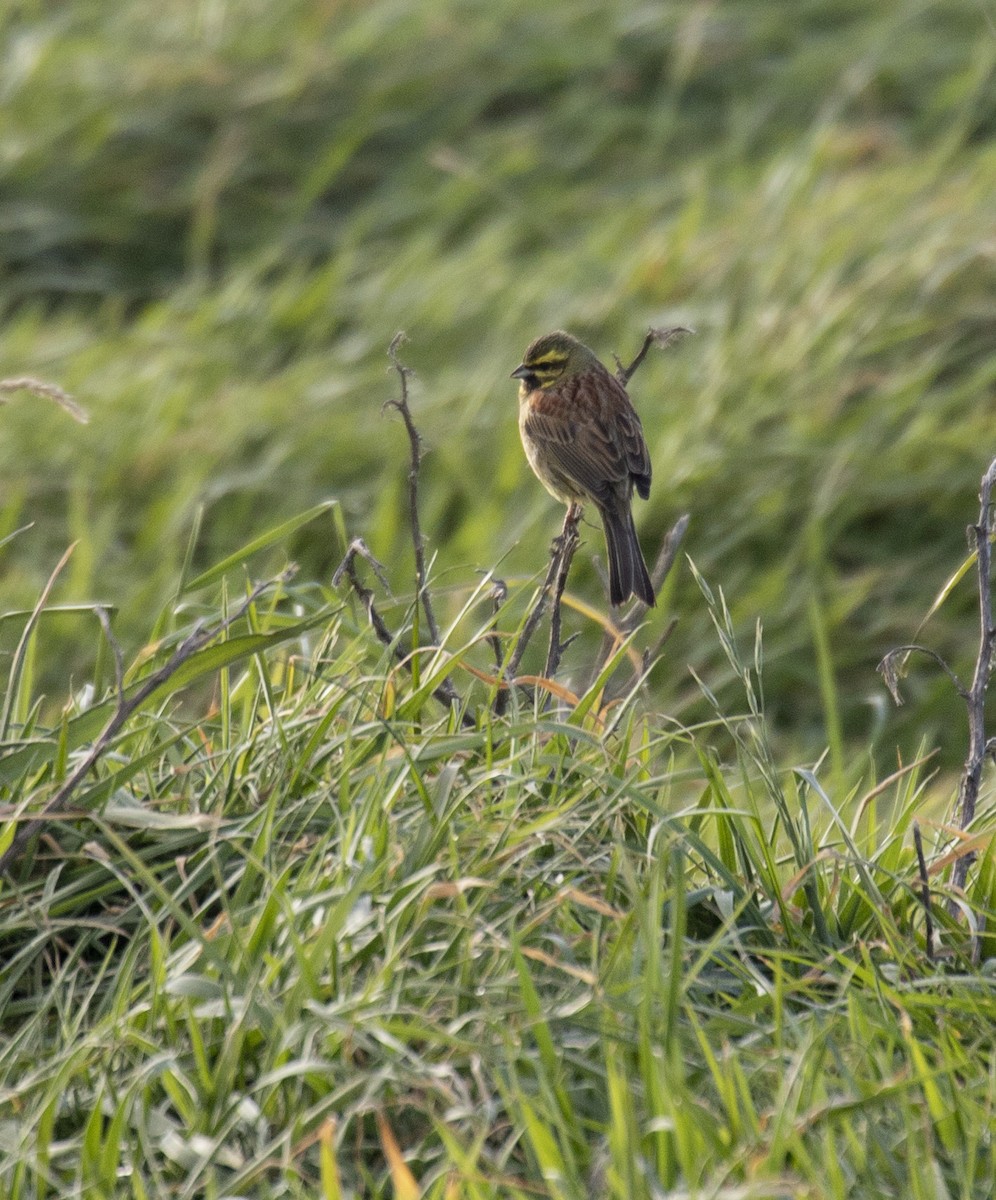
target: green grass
553 954
301 932
214 221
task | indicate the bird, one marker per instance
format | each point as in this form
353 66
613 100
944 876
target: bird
584 441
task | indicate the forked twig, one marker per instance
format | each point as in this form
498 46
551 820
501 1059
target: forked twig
561 554
654 337
445 693
358 549
400 405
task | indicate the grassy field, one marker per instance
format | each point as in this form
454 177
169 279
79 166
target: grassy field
302 931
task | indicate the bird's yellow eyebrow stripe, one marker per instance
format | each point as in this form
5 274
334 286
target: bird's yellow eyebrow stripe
551 357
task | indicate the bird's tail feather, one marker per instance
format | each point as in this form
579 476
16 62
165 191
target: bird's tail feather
628 574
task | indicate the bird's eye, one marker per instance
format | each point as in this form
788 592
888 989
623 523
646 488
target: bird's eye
548 365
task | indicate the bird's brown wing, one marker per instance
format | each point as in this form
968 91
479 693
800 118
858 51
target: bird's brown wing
590 428
634 447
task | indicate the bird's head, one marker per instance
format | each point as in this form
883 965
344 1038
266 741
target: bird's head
552 357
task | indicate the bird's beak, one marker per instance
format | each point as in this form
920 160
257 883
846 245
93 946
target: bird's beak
520 372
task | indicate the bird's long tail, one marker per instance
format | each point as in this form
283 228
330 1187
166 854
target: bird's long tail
628 574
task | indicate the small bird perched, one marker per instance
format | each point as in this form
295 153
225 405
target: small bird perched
585 442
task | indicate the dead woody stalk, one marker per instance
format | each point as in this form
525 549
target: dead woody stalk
980 747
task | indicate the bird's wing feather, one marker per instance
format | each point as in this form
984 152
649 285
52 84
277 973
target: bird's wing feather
581 450
597 441
630 434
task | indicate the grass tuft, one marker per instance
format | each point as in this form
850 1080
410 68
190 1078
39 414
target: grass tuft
301 933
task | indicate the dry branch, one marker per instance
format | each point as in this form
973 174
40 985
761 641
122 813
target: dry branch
400 405
445 693
499 594
971 779
654 337
980 536
570 539
928 916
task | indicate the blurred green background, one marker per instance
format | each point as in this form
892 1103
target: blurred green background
214 216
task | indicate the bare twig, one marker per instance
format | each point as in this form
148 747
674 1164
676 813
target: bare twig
499 594
979 746
358 548
445 693
126 707
539 606
924 890
400 405
570 539
891 669
654 337
669 551
562 552
968 794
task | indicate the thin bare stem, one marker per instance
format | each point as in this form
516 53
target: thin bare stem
415 446
499 594
928 916
654 337
570 539
892 667
562 552
126 706
445 693
976 699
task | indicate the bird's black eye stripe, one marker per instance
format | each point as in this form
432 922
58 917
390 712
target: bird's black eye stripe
547 365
